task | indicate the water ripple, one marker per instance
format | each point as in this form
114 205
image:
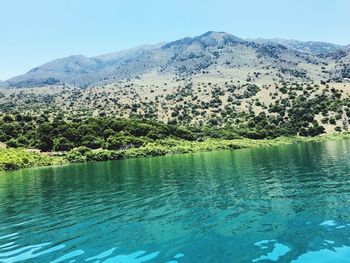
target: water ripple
292 202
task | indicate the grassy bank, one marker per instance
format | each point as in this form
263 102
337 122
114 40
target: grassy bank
171 146
11 159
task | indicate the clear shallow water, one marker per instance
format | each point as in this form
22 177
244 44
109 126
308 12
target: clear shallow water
285 204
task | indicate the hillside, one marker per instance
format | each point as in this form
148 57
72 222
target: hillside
216 79
212 52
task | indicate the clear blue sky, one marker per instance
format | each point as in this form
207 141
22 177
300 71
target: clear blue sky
36 31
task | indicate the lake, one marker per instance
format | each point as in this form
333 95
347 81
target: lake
274 204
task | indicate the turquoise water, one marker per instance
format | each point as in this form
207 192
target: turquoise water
284 204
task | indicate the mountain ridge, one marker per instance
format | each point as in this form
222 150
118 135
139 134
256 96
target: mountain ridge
199 53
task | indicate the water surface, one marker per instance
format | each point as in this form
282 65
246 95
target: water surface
285 204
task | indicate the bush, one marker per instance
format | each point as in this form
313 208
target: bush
63 144
338 129
123 142
19 158
77 155
92 142
12 143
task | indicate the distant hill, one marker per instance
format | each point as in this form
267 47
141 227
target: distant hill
211 51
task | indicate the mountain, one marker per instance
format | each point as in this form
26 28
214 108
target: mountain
209 52
215 78
82 71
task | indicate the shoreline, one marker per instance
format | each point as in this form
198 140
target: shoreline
14 159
